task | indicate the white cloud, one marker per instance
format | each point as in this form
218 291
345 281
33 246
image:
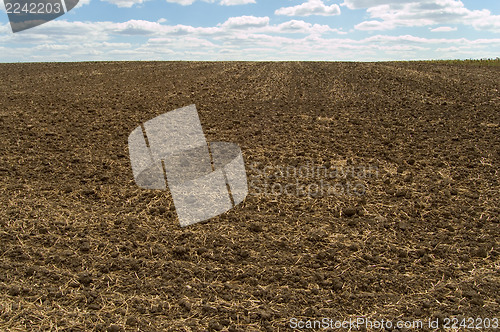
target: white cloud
182 2
81 3
390 14
125 3
295 26
444 29
311 7
487 22
174 44
221 2
238 38
374 25
243 22
138 27
253 24
62 32
235 2
359 4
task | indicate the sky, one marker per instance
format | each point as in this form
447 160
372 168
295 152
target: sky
261 30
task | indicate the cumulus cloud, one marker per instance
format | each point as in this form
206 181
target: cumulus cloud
138 27
374 25
182 2
237 38
444 29
360 4
130 3
390 14
295 26
486 22
4 27
243 22
235 2
125 3
253 24
311 7
220 2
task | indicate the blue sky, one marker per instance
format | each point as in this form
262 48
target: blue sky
330 30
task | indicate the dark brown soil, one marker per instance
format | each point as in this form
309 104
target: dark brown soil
82 248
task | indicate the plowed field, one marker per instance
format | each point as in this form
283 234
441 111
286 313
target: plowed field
373 191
